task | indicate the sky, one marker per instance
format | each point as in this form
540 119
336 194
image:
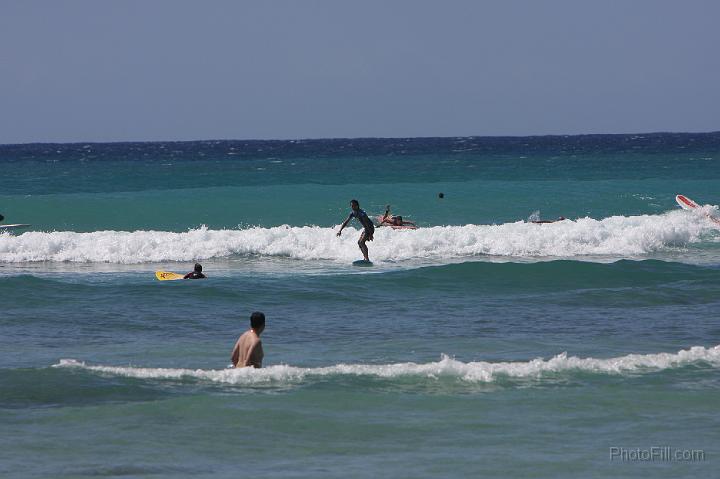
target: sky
75 71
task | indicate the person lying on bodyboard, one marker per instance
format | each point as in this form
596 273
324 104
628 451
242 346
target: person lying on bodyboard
393 220
195 273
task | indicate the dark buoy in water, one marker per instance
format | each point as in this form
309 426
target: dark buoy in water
441 195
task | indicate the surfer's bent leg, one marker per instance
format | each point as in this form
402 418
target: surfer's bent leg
363 246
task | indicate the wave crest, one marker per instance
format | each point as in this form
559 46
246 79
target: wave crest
616 236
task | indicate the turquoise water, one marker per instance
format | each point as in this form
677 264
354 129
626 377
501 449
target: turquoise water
478 345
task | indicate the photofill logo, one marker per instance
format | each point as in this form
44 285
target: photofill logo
656 454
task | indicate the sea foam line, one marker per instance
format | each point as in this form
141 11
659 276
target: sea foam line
473 372
616 236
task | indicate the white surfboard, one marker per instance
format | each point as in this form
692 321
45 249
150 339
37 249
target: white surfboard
688 204
12 227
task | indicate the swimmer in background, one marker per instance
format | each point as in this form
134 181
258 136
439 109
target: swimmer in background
392 220
196 273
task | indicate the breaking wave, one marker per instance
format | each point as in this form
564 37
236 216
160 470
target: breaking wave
616 236
473 372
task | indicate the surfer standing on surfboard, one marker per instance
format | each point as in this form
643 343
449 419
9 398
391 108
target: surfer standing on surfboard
368 227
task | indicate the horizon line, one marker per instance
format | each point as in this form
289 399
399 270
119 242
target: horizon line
94 142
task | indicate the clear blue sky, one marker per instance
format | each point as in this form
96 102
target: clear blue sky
179 70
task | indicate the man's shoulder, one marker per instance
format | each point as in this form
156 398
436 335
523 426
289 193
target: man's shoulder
252 338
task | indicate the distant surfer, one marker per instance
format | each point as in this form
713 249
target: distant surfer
368 227
195 273
248 349
540 222
392 220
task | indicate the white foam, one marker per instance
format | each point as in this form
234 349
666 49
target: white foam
473 372
616 236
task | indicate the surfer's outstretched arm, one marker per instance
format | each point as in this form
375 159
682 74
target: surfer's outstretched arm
344 224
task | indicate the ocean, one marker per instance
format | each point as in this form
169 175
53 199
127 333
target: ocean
479 345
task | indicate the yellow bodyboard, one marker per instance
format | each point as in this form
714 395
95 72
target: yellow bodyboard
167 276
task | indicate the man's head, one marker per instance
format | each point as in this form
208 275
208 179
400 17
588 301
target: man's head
354 205
397 220
198 268
257 321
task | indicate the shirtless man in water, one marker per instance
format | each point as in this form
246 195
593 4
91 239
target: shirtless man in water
248 349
